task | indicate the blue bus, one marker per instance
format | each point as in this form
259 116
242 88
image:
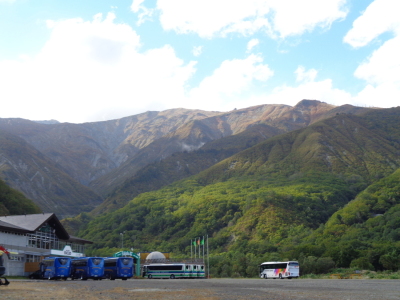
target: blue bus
87 267
118 268
56 268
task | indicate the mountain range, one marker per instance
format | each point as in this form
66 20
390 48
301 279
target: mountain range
326 194
295 182
78 166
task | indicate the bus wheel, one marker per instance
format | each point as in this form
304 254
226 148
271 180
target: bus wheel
124 278
149 276
265 276
280 276
172 276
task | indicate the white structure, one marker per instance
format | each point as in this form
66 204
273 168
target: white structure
34 237
155 257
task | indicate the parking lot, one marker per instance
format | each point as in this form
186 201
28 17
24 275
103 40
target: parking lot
203 289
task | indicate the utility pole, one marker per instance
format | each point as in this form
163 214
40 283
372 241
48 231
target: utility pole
122 240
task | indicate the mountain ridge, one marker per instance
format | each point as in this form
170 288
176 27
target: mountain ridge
244 201
105 155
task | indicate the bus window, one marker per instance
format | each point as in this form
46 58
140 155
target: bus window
63 261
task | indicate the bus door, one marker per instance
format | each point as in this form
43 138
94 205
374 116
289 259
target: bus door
202 273
144 271
188 271
198 271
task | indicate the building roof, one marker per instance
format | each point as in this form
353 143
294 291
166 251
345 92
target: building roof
32 223
155 255
9 227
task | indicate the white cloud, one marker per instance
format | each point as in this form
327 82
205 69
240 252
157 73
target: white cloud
297 17
309 88
91 71
381 70
197 50
137 5
231 83
305 76
226 91
379 17
251 44
383 66
383 95
210 18
145 13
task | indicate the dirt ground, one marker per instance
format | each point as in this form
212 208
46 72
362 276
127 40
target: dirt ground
209 289
21 290
92 291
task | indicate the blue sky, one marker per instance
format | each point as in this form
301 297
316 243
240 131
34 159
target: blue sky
93 60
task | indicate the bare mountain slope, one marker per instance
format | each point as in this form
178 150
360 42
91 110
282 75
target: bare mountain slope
89 150
105 155
180 165
26 169
193 135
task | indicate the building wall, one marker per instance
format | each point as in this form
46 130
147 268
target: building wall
17 245
20 263
13 239
14 268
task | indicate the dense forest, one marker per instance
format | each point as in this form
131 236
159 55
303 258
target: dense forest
13 202
326 195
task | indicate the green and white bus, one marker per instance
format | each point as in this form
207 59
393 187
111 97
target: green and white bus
173 271
280 269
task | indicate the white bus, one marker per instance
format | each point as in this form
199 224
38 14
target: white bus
173 271
280 269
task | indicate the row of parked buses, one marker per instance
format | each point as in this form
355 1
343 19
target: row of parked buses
87 268
98 268
124 268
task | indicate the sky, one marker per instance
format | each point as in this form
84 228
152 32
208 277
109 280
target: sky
94 60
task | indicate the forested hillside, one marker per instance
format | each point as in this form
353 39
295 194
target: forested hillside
181 165
277 199
69 168
364 234
13 202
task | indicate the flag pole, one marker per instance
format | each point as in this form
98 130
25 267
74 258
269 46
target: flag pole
191 250
203 248
208 261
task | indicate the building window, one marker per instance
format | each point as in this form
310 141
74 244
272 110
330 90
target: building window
33 258
16 258
44 238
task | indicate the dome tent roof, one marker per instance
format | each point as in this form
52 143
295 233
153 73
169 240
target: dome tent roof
156 256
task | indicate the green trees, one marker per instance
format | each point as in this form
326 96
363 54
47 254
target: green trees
13 202
324 196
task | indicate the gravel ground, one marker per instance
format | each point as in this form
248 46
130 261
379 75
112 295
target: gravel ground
352 289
